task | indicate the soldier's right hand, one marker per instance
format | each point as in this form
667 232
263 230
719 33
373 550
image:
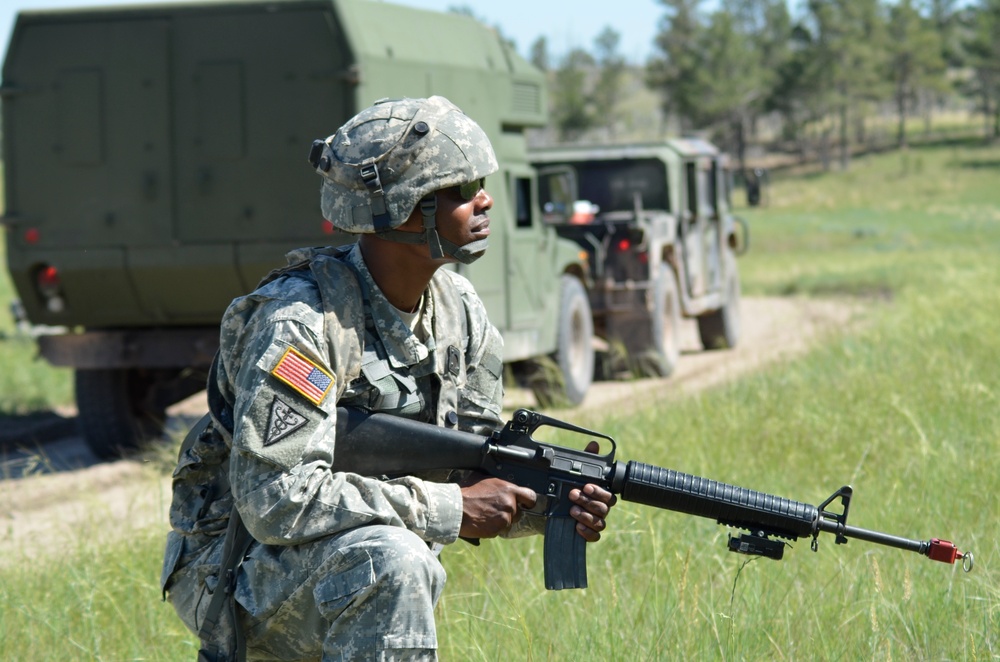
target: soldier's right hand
490 506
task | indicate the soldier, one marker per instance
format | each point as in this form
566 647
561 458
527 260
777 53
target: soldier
332 563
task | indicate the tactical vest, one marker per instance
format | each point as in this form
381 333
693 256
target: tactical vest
402 391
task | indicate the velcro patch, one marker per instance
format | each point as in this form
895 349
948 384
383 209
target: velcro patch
282 422
303 375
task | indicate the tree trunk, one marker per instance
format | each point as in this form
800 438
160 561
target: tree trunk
739 136
996 120
986 116
824 149
901 109
845 147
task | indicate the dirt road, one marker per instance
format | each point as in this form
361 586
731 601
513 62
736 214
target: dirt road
46 512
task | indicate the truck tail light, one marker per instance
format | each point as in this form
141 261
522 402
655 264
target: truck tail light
625 244
48 282
328 227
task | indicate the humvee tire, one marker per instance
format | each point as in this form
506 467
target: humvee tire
574 355
661 358
720 329
117 410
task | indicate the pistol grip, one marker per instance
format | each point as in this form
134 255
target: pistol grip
565 555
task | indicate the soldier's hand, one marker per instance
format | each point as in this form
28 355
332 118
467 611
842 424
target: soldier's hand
592 505
490 506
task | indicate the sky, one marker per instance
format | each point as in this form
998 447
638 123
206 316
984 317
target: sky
566 24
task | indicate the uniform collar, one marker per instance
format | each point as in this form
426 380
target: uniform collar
401 344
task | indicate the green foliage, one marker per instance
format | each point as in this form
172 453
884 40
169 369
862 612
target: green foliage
916 60
675 69
983 48
539 53
570 109
830 65
585 88
611 69
33 385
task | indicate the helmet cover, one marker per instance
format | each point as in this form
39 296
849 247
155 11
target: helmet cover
385 159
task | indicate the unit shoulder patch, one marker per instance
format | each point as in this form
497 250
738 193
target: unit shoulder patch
282 421
305 376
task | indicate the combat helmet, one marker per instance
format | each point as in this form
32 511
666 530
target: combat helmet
391 157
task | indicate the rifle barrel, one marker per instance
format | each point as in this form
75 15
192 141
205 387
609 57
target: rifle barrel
728 504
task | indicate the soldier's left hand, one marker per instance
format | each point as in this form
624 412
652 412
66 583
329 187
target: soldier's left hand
592 505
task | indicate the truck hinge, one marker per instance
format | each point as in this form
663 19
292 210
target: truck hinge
351 75
11 91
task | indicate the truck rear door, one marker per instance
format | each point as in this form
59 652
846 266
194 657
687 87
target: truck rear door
251 90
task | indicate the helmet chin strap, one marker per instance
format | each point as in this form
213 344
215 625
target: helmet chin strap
439 246
428 210
467 254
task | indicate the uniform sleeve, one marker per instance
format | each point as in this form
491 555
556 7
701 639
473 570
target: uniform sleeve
284 443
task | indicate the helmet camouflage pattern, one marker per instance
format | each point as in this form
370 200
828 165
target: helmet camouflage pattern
385 159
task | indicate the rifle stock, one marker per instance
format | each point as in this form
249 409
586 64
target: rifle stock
380 444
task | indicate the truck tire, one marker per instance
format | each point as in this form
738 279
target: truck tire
720 329
117 411
661 358
574 355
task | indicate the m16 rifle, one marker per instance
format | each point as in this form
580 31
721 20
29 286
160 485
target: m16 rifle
380 444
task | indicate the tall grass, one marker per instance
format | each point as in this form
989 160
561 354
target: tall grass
904 408
891 411
92 603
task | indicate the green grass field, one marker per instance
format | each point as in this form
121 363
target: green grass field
904 406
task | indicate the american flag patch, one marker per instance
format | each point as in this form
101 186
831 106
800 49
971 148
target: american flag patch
303 375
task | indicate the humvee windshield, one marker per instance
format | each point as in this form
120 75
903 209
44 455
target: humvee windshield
612 185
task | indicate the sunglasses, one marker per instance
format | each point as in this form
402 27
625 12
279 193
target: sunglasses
470 190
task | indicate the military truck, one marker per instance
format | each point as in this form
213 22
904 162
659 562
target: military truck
156 168
655 223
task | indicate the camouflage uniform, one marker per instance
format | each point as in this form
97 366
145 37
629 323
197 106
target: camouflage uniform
342 564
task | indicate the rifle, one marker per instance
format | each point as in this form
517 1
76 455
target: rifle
381 444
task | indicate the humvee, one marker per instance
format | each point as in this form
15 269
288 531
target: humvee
656 225
156 168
